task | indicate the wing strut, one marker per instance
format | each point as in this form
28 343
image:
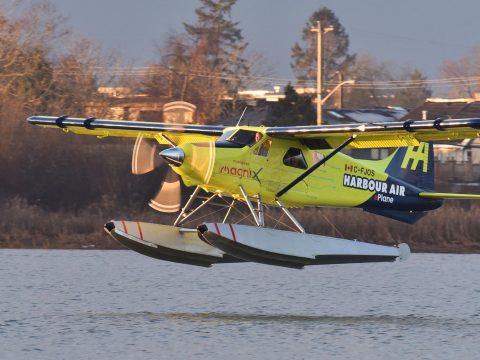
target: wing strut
316 166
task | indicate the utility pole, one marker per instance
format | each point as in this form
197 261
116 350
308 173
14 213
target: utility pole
319 32
339 102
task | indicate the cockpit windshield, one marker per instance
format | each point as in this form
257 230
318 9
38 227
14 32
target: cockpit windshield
226 135
244 137
240 138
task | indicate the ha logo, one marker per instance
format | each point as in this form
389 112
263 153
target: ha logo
420 154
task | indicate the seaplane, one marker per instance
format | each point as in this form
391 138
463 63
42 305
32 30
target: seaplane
257 168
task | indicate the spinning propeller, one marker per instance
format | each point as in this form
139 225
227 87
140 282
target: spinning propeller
201 162
145 159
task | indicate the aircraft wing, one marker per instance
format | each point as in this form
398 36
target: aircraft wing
162 132
380 135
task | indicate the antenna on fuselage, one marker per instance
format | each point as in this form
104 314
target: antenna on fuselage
241 116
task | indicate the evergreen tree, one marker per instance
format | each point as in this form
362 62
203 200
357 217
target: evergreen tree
294 109
206 63
218 38
335 48
218 46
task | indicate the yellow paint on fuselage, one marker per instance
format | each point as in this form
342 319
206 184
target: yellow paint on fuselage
223 170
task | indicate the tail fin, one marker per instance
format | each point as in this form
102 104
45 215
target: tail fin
414 164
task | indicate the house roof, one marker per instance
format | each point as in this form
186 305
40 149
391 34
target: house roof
452 108
464 144
253 116
348 116
257 115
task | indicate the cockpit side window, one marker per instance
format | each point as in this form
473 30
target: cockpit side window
294 158
235 138
263 149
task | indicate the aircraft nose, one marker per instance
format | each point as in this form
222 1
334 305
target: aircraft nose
174 156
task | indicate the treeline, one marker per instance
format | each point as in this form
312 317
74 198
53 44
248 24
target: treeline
45 69
452 228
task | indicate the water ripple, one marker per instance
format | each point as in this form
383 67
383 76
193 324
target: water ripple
117 304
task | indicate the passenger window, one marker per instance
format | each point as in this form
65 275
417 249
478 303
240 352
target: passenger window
294 158
262 150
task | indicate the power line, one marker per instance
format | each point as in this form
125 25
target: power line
387 84
264 80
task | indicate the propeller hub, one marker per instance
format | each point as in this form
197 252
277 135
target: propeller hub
174 156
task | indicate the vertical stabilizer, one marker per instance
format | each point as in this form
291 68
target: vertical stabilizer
415 165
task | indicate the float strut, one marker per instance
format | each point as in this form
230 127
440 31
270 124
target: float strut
229 211
205 202
261 217
250 206
289 214
187 206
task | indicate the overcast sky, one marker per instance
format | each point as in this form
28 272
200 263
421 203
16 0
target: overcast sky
417 33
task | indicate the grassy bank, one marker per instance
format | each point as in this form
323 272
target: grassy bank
452 228
23 225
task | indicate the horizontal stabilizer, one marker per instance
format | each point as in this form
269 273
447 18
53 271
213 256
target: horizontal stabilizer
409 217
448 196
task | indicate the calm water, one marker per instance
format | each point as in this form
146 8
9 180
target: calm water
120 305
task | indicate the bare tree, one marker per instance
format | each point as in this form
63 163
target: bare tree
367 69
463 70
380 83
44 70
414 91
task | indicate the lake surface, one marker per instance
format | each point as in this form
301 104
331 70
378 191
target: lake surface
67 304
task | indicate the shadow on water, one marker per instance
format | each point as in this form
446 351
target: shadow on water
221 317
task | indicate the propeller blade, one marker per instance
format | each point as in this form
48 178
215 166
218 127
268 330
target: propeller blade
169 197
144 157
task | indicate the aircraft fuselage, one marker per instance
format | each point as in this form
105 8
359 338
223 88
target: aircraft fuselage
341 182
